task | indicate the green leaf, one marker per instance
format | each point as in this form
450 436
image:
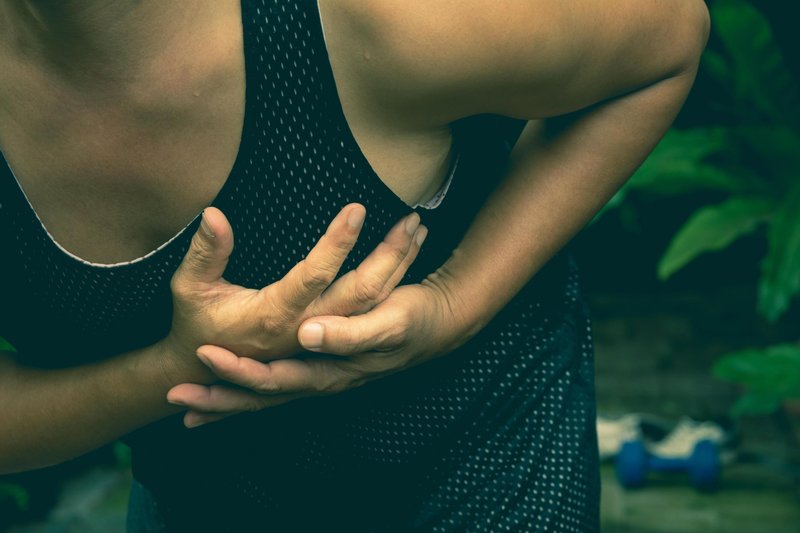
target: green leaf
713 228
613 203
17 494
719 67
760 73
678 164
780 278
777 146
754 403
774 370
122 453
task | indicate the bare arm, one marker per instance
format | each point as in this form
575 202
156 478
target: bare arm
52 415
554 186
620 68
624 67
633 63
49 416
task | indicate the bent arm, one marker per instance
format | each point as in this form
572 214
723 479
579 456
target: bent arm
555 184
620 72
617 70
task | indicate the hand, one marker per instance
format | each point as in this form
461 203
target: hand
414 324
262 324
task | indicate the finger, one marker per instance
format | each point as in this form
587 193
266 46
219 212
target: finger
381 329
215 402
214 398
306 280
194 419
361 289
289 378
419 237
208 253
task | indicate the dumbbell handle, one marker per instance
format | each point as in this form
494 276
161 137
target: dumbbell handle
667 464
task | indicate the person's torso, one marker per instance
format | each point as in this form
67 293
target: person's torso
298 163
115 172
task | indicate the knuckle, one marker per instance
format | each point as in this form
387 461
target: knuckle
275 314
199 250
276 322
398 255
368 289
317 276
269 326
267 387
342 246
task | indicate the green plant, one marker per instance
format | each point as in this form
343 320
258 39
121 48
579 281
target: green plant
16 494
770 374
752 162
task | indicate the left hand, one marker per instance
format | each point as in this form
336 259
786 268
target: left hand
414 324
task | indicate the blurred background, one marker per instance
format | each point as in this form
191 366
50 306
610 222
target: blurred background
692 272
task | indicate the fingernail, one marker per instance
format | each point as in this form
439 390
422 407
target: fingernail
421 235
195 424
412 223
311 335
356 218
204 225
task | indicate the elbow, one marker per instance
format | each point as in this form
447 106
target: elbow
692 29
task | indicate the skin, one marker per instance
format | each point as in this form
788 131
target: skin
621 70
52 416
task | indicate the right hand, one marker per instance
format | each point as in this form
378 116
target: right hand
262 323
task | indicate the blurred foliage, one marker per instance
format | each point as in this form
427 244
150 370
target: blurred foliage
5 346
16 494
770 374
749 158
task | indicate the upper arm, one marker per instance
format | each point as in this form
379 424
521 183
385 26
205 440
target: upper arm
523 58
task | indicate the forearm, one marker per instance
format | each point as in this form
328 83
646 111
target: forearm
49 416
555 184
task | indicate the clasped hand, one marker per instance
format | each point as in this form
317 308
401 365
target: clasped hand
249 335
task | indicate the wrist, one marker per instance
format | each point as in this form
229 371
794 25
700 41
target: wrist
456 320
176 364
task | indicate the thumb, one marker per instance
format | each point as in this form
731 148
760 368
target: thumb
376 330
211 246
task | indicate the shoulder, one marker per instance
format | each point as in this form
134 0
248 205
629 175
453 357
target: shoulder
450 59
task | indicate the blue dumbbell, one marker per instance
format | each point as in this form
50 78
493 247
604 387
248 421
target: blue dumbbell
634 462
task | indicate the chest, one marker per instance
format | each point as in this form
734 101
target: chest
112 176
111 183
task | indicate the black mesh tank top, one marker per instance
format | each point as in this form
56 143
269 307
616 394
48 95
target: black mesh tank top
514 406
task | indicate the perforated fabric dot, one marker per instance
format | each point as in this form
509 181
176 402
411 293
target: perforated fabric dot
497 436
